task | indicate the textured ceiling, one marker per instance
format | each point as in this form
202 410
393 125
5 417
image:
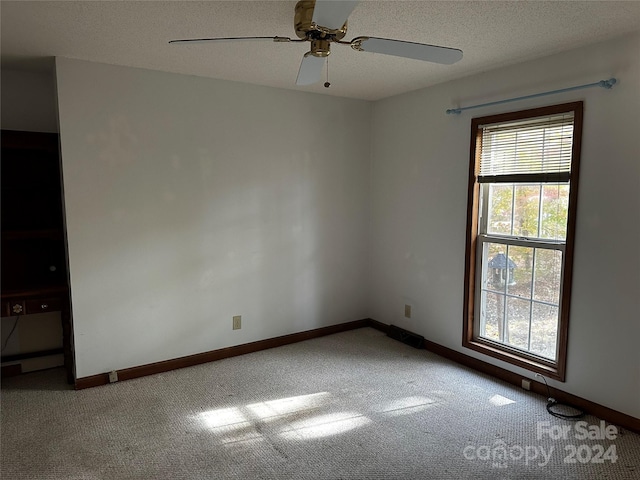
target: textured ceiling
491 34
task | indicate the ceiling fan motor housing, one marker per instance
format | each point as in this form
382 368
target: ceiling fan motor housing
306 29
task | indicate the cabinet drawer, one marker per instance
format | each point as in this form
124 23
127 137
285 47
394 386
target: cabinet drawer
43 305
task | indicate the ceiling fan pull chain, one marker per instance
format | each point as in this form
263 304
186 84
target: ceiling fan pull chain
327 84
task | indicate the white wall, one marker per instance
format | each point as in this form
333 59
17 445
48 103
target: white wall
28 101
419 192
192 200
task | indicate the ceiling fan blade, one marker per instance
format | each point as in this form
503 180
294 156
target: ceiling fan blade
399 48
310 69
231 39
332 13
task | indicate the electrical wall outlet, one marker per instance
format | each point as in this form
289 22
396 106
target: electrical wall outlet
237 322
526 384
113 376
407 311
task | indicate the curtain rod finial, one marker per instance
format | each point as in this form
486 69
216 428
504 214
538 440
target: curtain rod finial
608 83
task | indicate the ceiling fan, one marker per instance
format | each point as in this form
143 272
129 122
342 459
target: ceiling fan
323 22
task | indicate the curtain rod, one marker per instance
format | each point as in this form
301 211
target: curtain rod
602 83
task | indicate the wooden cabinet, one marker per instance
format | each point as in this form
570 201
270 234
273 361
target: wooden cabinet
34 263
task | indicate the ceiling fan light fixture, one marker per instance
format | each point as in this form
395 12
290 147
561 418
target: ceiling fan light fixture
320 48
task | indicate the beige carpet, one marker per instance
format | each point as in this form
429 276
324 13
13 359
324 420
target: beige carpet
356 405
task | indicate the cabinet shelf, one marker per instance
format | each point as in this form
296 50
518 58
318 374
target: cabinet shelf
49 233
24 356
30 293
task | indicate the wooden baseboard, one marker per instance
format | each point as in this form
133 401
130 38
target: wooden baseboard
191 360
383 327
605 413
608 414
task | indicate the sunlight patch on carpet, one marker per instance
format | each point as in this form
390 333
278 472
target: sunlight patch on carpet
325 426
499 400
224 417
289 405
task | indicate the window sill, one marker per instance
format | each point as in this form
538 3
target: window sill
555 372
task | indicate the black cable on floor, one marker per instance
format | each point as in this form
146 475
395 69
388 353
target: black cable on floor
552 402
13 329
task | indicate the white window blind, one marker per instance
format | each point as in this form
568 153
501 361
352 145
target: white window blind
538 146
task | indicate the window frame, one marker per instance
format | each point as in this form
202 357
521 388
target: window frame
552 369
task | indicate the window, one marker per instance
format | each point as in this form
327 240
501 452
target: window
521 222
